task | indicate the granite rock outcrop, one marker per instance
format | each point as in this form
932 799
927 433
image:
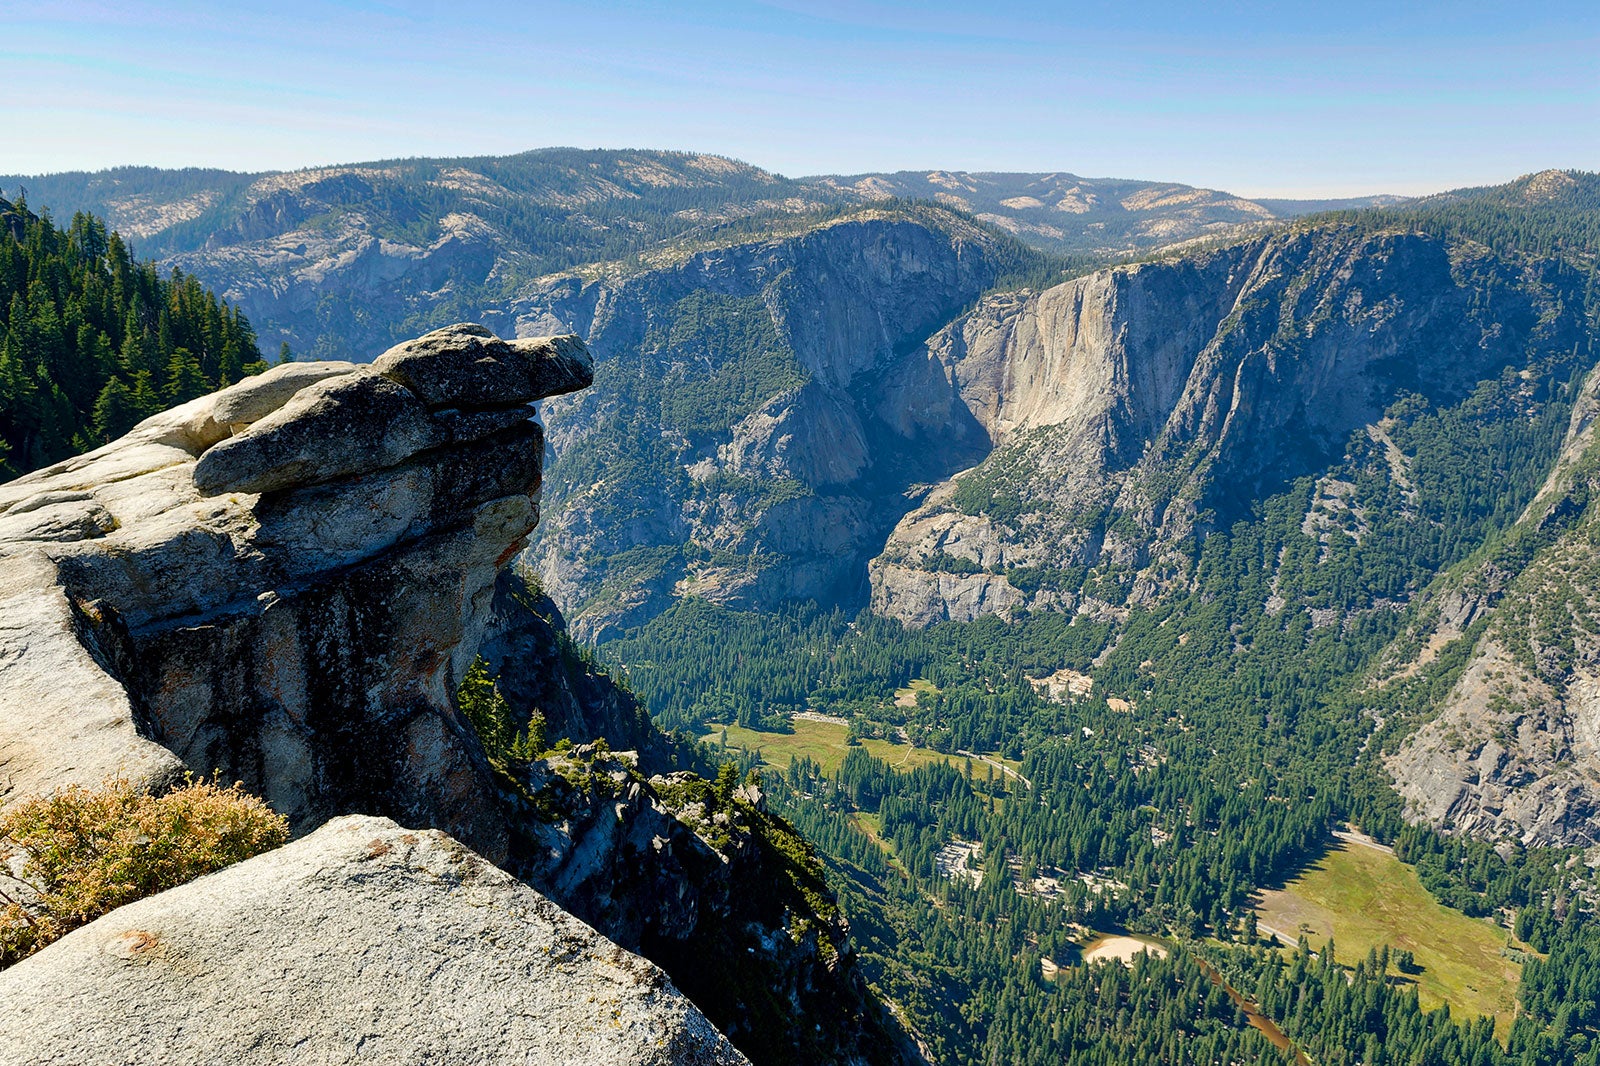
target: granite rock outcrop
362 942
696 876
762 461
284 583
281 582
1513 750
1135 408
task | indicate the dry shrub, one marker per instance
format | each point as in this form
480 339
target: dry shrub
66 859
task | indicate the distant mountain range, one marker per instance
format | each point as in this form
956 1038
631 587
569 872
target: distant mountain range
1065 213
341 261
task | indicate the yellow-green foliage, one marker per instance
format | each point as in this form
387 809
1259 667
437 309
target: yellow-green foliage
84 852
826 743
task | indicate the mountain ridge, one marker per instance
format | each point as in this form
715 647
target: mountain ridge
418 243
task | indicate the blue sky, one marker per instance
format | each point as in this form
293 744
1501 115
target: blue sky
1263 99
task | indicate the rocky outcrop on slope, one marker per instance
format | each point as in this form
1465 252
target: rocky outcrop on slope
1514 748
1510 754
362 942
537 665
285 582
696 876
1135 407
282 582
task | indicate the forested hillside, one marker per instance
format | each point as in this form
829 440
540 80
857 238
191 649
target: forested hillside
93 341
1553 212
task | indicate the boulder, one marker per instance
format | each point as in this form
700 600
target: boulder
352 424
468 366
255 398
363 942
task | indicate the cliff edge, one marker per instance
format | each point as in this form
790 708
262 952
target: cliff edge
283 582
385 945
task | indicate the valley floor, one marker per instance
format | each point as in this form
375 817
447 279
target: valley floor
826 743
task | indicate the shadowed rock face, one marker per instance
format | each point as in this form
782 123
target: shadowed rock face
281 582
771 412
716 890
422 952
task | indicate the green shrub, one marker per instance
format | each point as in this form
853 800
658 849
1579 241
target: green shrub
505 739
83 852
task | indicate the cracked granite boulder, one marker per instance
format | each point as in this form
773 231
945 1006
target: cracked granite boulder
363 942
281 582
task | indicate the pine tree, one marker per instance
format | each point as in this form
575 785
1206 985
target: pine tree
92 342
115 411
185 379
146 401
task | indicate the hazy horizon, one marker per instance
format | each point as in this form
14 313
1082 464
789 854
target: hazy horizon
807 175
1251 98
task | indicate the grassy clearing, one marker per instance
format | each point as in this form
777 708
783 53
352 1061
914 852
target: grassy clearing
907 697
1364 897
823 742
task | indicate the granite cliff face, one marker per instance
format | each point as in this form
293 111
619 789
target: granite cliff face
1137 407
266 581
777 454
738 444
1514 748
759 426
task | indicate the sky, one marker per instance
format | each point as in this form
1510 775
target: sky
1282 99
